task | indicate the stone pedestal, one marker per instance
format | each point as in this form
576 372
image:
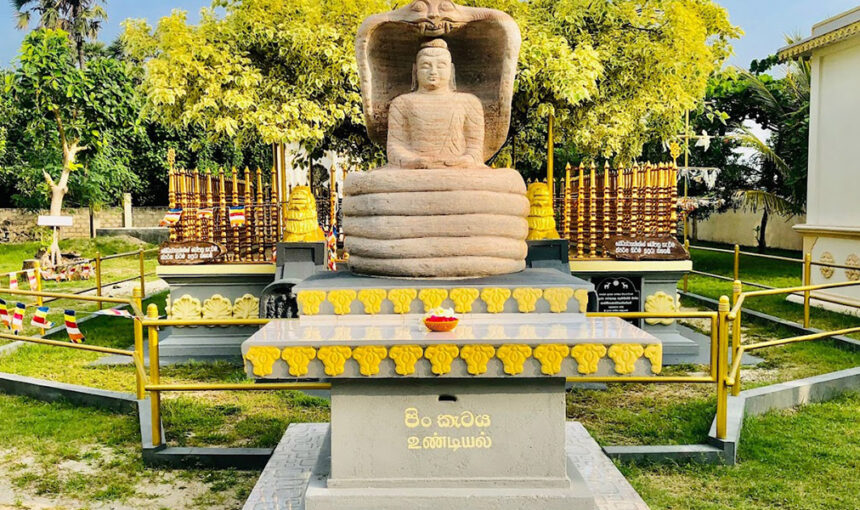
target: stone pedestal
216 291
656 283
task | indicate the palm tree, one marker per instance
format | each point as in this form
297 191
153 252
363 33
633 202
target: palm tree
782 108
82 19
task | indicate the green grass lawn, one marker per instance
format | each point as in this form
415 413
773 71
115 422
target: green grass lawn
78 457
774 273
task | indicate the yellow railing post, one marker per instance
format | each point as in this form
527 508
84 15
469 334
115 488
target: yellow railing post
686 247
39 301
99 276
737 266
722 368
142 274
807 280
155 396
737 288
138 337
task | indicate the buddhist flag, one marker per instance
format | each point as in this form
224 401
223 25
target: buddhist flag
172 216
31 279
4 314
75 334
13 281
114 313
237 215
204 213
18 318
86 270
40 319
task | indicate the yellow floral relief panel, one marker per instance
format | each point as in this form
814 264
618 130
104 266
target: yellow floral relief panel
581 296
495 298
660 302
217 307
550 357
341 300
369 357
310 301
527 298
476 357
334 358
463 299
557 297
298 358
587 357
432 298
513 357
405 357
654 353
186 308
402 299
441 356
246 307
625 356
372 300
262 359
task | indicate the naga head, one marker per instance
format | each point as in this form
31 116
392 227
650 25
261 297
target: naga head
433 17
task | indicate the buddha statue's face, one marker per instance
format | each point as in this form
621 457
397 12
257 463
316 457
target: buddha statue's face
433 70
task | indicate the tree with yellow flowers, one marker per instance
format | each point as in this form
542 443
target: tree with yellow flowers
613 72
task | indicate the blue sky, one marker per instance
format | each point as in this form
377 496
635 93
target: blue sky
764 22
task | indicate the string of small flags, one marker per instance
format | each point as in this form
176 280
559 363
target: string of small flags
75 334
40 318
18 318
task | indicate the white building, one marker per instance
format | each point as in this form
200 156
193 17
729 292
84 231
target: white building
832 229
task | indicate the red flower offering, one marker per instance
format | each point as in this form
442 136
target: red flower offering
440 320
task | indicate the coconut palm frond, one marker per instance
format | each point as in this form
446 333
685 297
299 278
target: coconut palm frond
754 199
766 97
749 139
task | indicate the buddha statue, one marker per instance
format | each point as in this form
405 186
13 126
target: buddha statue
435 210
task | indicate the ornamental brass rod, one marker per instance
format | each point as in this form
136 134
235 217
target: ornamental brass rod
619 200
580 218
606 221
222 197
566 226
247 253
634 201
235 202
259 223
592 209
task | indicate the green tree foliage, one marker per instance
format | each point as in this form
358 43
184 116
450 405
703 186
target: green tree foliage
612 72
81 19
67 121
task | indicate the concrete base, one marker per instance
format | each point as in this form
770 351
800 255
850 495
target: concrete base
656 277
297 470
202 282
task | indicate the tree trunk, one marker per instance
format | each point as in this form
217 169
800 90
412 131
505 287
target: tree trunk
762 228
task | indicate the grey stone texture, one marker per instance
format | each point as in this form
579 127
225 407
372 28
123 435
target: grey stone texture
300 461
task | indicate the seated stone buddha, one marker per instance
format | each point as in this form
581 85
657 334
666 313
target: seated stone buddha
436 210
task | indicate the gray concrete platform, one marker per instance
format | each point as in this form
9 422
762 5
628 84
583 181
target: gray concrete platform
296 463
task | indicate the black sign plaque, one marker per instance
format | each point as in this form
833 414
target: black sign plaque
618 294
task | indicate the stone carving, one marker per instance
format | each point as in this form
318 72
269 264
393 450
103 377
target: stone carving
334 358
369 357
513 357
217 307
476 357
402 299
246 307
625 356
262 359
432 298
558 298
826 271
654 352
550 357
541 220
341 300
437 83
186 308
441 356
298 359
372 300
854 261
527 298
587 357
495 298
302 224
310 301
463 299
660 302
405 357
